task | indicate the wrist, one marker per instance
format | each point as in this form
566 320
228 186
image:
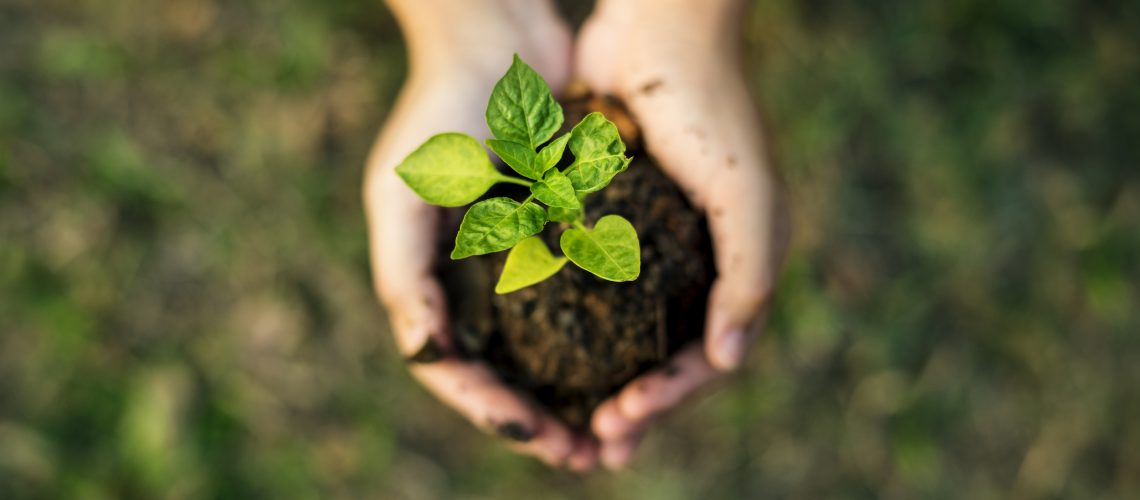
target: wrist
705 17
475 37
688 33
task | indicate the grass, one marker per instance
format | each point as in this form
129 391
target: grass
185 307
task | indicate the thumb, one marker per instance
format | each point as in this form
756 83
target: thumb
736 315
749 240
418 315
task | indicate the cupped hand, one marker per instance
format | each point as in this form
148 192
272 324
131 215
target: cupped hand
676 65
457 52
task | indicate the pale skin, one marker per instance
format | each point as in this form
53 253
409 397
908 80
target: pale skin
676 65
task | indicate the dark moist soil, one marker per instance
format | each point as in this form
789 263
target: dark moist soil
575 339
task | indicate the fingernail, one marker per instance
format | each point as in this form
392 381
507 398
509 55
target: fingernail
731 349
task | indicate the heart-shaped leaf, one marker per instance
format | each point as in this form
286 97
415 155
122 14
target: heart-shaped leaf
556 191
521 108
519 157
610 250
449 170
528 263
496 224
599 153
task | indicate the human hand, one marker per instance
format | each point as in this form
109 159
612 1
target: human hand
457 51
675 64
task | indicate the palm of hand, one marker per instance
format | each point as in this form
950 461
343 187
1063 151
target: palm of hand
698 122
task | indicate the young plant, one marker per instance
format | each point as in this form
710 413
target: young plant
452 169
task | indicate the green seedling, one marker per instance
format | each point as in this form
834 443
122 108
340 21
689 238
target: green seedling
453 169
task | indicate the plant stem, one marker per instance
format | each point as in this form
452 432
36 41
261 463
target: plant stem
514 180
578 224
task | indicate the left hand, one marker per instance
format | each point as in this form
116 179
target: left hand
457 52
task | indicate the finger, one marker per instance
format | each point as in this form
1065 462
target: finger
663 388
402 246
402 235
749 239
477 394
616 455
419 320
609 424
632 410
735 320
585 455
553 443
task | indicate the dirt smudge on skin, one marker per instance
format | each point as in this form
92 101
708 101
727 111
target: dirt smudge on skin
513 431
672 370
430 352
648 88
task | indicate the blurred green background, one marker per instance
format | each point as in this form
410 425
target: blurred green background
186 311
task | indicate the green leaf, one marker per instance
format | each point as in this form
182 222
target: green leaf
449 170
610 250
528 263
521 108
567 215
599 153
519 157
496 224
550 155
556 191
